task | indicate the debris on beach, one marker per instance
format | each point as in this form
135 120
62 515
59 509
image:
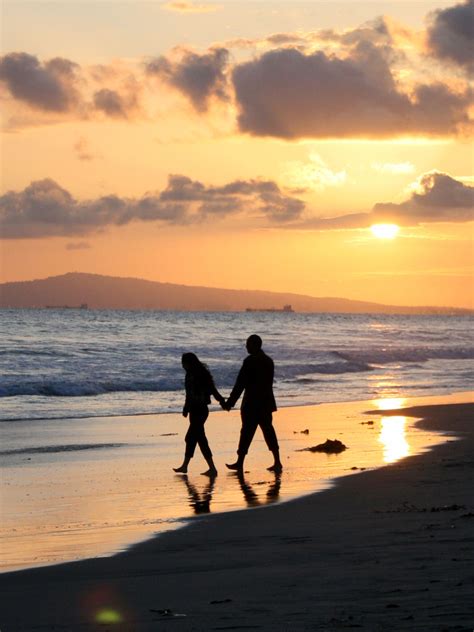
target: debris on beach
306 431
330 446
166 612
169 434
367 423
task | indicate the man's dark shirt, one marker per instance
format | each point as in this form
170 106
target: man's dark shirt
255 379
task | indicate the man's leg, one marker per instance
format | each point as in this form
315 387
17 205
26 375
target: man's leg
271 440
247 432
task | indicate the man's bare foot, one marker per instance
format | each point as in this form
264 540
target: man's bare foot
211 472
235 466
181 470
276 467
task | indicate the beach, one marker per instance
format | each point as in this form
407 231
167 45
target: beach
388 548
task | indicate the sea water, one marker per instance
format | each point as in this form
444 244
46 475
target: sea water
83 363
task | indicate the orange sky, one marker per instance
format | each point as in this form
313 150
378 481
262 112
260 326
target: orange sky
241 145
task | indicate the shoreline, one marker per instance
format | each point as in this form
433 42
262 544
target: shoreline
387 548
213 408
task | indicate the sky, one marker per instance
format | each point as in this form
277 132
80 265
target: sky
243 144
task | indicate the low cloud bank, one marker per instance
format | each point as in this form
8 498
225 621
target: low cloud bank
45 209
436 197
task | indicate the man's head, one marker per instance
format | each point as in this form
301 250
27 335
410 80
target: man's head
254 343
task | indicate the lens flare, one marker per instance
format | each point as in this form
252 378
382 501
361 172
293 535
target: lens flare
108 615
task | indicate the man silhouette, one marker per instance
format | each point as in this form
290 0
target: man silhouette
255 380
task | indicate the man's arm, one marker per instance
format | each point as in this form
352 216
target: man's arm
238 388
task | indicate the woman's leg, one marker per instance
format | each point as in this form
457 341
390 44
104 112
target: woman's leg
199 417
191 441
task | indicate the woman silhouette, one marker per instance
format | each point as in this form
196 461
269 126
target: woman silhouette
199 386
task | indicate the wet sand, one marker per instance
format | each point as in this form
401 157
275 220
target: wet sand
69 493
387 549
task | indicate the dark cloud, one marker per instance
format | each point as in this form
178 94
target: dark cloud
199 77
451 34
438 198
48 86
287 94
44 209
111 103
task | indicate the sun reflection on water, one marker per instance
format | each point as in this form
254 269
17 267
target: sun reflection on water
392 437
389 403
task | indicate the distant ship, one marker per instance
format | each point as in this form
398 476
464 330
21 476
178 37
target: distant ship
285 308
81 306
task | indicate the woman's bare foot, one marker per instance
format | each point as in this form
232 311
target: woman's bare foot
211 472
181 470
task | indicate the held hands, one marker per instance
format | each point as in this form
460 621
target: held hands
224 404
185 412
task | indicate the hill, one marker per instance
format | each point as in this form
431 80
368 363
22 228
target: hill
107 292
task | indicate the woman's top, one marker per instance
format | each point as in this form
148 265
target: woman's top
199 389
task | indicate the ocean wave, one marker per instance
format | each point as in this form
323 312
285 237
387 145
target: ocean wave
299 371
388 355
78 388
52 449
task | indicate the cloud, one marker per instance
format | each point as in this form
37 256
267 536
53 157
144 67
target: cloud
393 168
48 86
288 94
59 89
198 77
435 197
451 35
314 174
78 245
82 150
185 6
44 209
110 102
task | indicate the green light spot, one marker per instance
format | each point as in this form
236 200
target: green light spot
108 616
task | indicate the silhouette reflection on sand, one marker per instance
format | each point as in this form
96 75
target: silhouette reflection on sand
200 501
252 498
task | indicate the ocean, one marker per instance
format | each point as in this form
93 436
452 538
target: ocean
87 363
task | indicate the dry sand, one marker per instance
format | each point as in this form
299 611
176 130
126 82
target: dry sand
390 549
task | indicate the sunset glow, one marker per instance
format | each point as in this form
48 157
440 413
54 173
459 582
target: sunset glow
194 134
385 231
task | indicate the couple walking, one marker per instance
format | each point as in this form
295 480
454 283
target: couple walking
255 381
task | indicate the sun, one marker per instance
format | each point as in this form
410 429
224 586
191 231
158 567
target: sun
385 231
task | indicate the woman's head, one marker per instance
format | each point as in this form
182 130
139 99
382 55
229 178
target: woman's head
190 361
